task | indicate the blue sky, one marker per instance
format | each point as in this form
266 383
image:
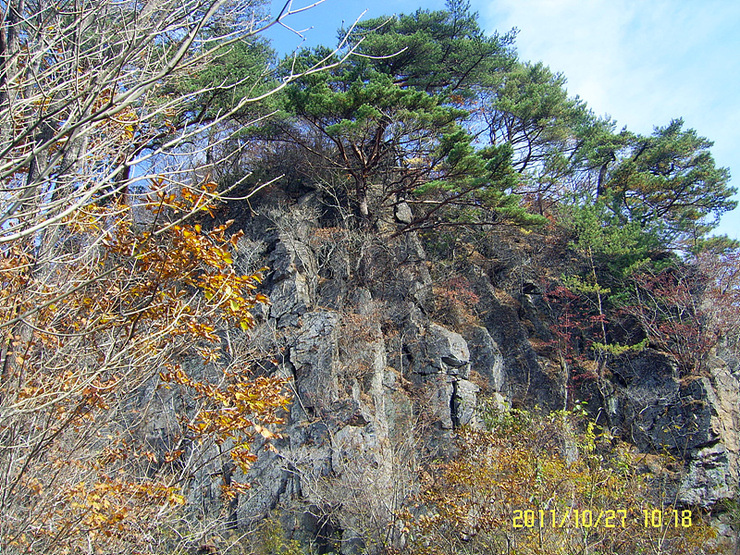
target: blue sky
643 62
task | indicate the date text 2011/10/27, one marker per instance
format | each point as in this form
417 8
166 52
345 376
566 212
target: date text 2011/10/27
586 518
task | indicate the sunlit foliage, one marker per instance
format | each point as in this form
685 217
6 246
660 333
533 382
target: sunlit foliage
533 484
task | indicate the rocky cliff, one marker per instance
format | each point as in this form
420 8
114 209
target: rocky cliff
381 375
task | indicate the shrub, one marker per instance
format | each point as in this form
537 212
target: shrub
533 484
455 301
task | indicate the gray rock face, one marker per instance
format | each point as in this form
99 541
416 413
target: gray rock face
399 409
289 256
440 389
291 291
723 387
675 422
314 357
436 350
377 385
486 357
708 479
403 213
695 419
347 446
464 402
290 299
525 378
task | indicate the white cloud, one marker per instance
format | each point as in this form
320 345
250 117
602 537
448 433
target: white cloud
641 62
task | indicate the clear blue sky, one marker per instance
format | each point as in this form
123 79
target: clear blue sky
643 62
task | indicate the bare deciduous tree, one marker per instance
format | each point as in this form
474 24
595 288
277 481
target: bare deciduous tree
112 304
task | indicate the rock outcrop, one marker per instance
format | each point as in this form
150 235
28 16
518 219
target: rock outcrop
378 384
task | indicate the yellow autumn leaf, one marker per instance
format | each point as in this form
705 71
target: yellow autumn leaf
176 499
264 432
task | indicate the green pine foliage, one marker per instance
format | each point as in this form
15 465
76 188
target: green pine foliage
393 120
598 232
439 52
429 111
669 184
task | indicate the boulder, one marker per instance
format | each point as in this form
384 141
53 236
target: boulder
434 349
403 213
707 480
464 403
314 356
486 357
